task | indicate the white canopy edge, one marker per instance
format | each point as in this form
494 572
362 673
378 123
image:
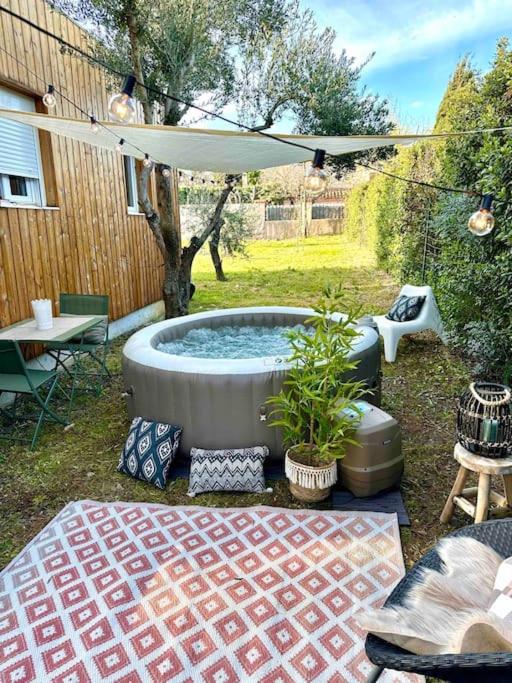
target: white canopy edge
206 150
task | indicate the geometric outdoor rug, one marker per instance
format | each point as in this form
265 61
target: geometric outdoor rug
132 592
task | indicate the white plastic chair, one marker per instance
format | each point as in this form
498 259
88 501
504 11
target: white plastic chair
428 319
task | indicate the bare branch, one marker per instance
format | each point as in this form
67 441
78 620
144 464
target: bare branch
133 35
152 217
269 118
198 240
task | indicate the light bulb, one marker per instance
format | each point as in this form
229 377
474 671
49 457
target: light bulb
49 99
166 172
482 221
120 146
121 107
147 161
94 125
315 181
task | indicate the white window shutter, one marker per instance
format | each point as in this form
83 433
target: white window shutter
18 143
130 177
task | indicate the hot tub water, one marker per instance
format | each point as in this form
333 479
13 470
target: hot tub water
230 341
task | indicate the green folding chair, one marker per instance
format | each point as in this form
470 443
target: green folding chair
17 378
92 344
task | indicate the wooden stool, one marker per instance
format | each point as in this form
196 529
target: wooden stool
486 468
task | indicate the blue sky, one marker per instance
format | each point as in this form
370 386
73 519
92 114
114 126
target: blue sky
417 44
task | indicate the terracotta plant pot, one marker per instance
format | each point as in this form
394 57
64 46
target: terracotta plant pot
308 483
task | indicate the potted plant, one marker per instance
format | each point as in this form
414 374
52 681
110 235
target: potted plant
316 408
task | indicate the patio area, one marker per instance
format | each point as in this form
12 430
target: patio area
419 390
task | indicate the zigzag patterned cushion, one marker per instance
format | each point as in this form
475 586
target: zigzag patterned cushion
236 469
149 451
405 308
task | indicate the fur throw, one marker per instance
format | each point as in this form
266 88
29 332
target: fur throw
447 611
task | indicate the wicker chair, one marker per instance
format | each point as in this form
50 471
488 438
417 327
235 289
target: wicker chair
466 668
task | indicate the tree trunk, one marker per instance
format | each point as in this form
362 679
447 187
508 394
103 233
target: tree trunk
215 254
131 22
189 252
185 279
215 225
177 286
167 197
164 221
170 289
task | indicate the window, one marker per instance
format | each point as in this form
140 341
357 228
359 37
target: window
130 180
21 176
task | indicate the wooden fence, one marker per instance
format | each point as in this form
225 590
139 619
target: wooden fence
278 212
332 212
284 212
85 240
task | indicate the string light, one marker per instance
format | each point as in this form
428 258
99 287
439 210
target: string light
166 172
147 161
121 107
95 124
482 221
49 99
316 178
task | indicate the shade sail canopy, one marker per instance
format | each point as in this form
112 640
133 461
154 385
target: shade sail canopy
206 150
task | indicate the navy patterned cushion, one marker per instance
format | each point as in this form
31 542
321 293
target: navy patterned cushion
405 308
149 451
236 469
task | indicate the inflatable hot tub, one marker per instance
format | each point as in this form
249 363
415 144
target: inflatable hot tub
220 402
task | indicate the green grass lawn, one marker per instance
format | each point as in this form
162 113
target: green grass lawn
420 390
292 273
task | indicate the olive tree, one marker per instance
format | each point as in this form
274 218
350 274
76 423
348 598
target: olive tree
267 57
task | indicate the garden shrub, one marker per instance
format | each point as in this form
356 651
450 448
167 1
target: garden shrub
354 223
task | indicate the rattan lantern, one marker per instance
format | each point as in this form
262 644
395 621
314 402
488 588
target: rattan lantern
484 420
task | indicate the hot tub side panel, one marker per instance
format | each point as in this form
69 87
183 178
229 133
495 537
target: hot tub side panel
215 411
368 370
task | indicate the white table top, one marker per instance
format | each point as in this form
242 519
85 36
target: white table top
64 328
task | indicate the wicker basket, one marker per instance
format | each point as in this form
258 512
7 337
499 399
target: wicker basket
310 484
484 420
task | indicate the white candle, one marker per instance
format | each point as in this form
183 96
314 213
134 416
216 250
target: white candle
42 309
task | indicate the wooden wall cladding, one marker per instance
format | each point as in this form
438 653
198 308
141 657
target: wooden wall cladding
87 242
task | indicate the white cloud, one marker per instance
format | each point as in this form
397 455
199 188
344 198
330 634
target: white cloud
417 104
400 31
